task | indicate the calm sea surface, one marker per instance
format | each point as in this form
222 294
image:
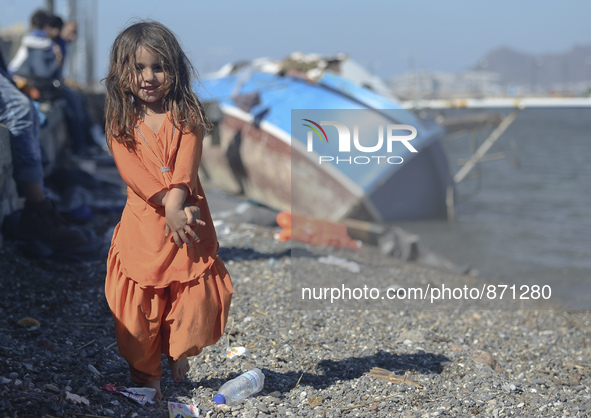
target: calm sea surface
525 219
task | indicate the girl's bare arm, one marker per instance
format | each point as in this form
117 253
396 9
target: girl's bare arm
193 212
178 216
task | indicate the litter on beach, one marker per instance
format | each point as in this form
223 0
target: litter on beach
221 227
182 410
232 352
140 395
352 266
28 322
391 377
77 399
315 231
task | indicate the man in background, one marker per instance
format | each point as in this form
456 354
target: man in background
40 219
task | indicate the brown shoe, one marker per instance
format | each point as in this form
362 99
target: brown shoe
42 221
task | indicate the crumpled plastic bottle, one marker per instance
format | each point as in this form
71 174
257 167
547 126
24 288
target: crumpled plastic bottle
241 387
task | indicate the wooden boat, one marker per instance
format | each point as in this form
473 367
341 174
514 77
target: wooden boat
261 144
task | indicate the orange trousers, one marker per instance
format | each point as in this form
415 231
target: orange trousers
178 320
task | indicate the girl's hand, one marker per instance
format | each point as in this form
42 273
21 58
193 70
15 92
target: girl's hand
178 220
177 223
193 215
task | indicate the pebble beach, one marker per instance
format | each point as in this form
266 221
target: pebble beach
58 349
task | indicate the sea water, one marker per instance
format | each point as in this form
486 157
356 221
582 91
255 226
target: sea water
525 218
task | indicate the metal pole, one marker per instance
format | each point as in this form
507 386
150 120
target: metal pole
72 10
81 51
489 142
73 48
49 6
91 13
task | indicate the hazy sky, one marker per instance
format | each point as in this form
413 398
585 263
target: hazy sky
389 37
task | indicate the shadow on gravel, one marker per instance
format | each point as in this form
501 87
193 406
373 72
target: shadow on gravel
241 254
330 371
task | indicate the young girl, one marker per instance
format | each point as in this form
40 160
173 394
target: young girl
168 290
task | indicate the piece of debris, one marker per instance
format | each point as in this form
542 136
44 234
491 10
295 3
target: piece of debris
221 227
51 387
232 352
315 231
76 399
391 377
412 335
352 266
574 379
28 322
140 395
315 400
176 409
487 359
94 370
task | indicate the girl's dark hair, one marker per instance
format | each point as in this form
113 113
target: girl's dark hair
179 99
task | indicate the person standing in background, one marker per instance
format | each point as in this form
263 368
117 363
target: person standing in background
36 56
40 219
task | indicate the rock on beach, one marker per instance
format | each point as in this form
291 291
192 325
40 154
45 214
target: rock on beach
445 361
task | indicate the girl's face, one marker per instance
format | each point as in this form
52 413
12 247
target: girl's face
148 85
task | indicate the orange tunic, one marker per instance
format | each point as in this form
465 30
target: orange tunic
146 255
163 298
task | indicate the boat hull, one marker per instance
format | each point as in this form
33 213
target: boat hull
254 162
262 151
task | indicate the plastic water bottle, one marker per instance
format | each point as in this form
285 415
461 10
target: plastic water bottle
241 387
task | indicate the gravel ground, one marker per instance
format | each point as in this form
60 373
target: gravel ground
471 360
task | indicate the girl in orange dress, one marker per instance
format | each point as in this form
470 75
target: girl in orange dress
166 287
